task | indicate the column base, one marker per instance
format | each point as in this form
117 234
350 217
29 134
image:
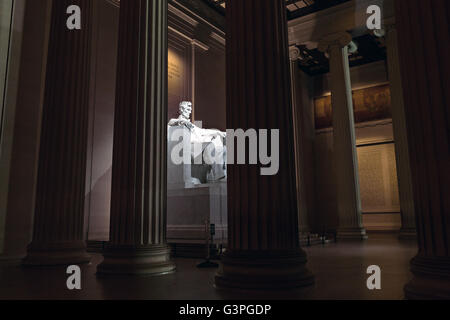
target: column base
351 234
56 254
132 260
431 279
6 260
263 270
407 234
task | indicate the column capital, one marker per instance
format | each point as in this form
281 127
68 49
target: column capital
339 39
294 53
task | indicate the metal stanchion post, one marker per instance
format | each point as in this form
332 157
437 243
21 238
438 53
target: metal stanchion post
209 231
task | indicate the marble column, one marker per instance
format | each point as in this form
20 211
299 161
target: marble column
423 29
408 229
29 62
263 247
294 55
59 209
344 142
139 175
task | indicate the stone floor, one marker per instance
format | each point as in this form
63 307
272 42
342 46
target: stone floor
340 271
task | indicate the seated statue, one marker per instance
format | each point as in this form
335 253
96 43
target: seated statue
209 145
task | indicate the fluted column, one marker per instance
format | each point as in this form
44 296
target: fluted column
297 116
424 48
139 181
344 142
59 209
408 229
263 247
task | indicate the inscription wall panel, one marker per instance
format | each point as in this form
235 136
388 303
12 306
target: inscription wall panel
378 179
370 161
377 173
179 73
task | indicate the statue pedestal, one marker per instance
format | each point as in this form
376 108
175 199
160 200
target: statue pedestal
188 209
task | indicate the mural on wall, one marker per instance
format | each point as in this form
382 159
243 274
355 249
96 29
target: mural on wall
369 104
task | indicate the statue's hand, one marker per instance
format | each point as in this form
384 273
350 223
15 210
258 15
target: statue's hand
186 123
189 125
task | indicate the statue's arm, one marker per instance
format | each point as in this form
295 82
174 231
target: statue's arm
213 133
181 122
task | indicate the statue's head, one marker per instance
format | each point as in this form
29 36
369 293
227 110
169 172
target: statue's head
186 109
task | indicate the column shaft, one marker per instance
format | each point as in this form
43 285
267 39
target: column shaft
408 229
344 142
424 48
59 208
139 177
263 249
300 147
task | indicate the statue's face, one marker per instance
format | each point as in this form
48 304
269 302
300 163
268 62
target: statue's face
186 110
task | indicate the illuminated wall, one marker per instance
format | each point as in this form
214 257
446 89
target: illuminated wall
179 73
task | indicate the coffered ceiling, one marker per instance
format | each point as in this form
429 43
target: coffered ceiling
295 8
370 49
314 62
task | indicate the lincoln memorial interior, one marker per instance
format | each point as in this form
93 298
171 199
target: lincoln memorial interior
90 121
